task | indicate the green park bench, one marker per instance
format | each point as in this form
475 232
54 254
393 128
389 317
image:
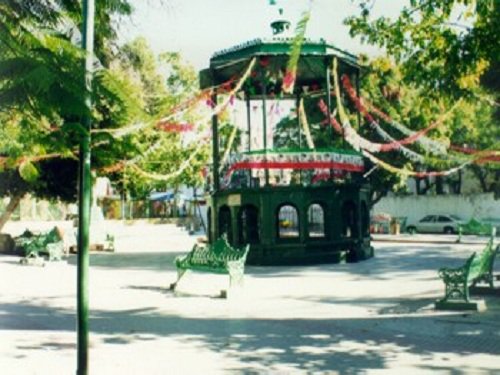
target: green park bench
478 268
474 226
34 247
218 258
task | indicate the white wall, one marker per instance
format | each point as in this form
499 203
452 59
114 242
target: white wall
414 207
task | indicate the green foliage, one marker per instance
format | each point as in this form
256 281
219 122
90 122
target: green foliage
470 123
28 172
447 49
41 82
159 85
443 44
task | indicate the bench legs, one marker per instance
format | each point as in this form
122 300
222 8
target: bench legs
180 273
457 298
456 291
236 272
235 280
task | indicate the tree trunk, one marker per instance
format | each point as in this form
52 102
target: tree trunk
458 185
11 207
417 186
439 185
377 196
481 176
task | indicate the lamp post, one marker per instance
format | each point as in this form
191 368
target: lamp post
84 192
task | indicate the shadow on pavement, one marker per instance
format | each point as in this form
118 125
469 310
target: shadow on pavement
346 345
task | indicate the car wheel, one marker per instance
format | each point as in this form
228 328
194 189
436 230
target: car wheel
412 230
448 230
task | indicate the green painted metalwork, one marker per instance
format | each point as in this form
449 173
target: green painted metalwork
477 268
315 60
84 198
219 257
247 208
269 249
474 226
49 245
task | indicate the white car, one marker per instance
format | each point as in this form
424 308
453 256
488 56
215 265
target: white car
436 224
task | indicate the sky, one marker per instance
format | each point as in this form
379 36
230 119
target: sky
198 28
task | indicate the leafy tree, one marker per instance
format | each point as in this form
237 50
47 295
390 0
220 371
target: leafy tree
442 44
41 91
448 49
156 159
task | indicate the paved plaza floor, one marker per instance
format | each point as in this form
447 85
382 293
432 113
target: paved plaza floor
372 317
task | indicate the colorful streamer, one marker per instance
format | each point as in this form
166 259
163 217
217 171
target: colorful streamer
174 127
297 160
358 142
305 125
430 145
298 40
408 173
230 142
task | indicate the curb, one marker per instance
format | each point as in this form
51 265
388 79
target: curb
416 240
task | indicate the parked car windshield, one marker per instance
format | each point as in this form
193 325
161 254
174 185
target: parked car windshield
455 217
427 219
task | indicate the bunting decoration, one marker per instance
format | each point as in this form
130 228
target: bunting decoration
230 142
324 109
298 40
33 159
174 127
305 125
429 145
358 142
295 160
185 106
408 173
202 138
166 177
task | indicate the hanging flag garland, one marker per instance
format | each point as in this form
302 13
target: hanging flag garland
429 145
305 125
358 142
293 61
408 173
324 109
174 127
230 142
296 160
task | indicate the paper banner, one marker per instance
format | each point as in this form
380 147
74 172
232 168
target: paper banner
405 172
305 125
174 127
359 142
429 145
296 160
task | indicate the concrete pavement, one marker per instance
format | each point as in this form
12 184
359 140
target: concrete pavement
373 317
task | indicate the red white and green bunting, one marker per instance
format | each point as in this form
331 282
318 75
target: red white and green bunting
296 160
432 146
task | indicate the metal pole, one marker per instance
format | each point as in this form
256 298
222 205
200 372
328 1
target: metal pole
249 121
84 197
329 105
357 93
215 146
249 132
329 99
299 125
264 125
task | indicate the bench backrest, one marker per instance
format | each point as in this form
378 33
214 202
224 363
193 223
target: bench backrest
481 263
215 255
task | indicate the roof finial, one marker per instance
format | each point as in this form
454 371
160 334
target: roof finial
280 26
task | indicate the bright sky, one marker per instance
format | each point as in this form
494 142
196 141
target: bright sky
198 28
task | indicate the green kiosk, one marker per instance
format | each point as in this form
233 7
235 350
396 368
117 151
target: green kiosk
288 186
